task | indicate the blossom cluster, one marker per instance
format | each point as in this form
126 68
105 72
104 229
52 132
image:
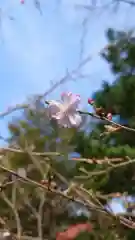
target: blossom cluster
66 112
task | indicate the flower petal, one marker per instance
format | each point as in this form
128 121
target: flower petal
66 97
66 113
64 121
54 108
74 103
75 119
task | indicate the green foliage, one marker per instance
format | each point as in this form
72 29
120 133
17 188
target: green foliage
34 131
119 99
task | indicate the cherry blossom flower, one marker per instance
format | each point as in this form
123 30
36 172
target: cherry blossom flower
65 112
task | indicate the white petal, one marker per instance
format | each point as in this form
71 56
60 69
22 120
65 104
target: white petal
74 103
66 97
64 121
54 108
58 115
75 119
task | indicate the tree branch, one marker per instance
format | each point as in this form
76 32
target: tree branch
16 215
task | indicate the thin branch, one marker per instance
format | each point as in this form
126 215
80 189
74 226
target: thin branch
36 184
98 161
85 203
14 188
90 161
14 150
132 3
35 161
13 109
107 120
40 217
50 90
17 218
109 169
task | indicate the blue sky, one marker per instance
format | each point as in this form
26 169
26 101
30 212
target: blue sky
36 49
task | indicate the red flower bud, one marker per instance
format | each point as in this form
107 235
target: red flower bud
44 182
109 116
90 101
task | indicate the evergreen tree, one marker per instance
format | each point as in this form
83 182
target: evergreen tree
117 98
40 213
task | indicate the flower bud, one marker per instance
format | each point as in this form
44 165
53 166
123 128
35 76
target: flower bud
44 182
109 116
90 101
22 1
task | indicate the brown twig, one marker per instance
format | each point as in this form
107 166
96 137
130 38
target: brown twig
98 161
101 172
14 150
87 204
16 215
107 120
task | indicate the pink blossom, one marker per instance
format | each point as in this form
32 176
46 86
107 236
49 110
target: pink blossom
90 101
22 1
109 116
65 112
